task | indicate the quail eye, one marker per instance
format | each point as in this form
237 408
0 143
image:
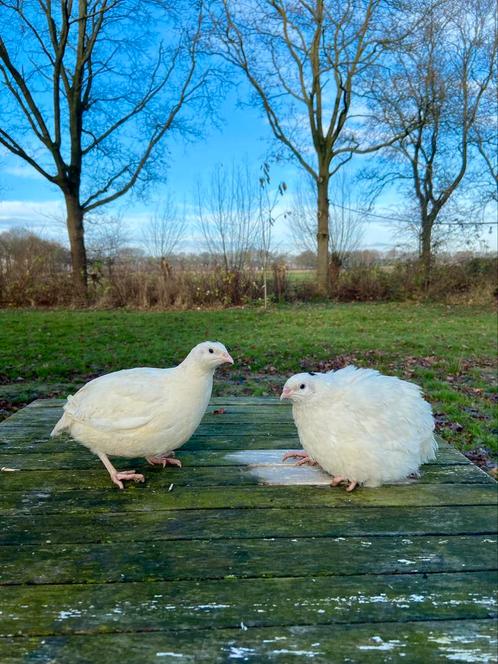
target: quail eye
302 386
211 350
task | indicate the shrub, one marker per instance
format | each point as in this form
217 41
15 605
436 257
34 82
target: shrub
36 273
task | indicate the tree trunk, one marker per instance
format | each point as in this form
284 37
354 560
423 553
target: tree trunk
78 250
334 269
426 251
322 235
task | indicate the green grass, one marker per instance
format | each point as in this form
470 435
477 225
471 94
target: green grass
449 351
300 276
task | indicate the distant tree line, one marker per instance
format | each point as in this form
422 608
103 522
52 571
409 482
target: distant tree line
37 272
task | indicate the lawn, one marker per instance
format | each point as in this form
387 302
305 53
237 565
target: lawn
449 351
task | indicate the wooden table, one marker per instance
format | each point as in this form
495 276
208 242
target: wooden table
233 558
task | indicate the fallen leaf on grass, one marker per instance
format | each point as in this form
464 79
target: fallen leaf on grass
481 457
474 412
442 422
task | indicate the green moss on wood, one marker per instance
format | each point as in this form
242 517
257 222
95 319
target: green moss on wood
246 523
261 558
139 499
222 603
95 565
413 642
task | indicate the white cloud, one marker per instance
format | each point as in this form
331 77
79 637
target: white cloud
44 217
47 218
22 171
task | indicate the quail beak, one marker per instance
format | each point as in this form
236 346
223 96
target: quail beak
286 392
228 358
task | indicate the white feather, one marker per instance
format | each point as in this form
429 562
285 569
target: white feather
362 425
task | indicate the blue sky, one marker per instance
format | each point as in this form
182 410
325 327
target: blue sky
27 200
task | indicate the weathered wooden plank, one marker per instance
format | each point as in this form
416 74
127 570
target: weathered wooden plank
26 444
25 440
124 607
37 423
212 430
231 411
45 420
206 559
180 497
247 523
411 642
43 404
222 406
196 557
76 456
224 400
285 475
202 440
234 438
221 476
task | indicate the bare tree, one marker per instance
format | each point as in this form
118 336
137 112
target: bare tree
345 220
227 214
106 238
164 231
484 137
304 60
162 234
302 219
89 89
452 226
268 215
440 77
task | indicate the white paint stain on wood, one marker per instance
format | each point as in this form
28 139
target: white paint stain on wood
269 468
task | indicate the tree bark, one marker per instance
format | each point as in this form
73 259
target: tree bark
78 249
334 270
426 251
322 235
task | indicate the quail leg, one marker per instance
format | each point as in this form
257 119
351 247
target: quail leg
339 479
118 475
303 456
164 460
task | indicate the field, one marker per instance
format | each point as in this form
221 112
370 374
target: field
449 351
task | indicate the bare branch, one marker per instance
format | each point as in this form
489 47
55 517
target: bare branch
14 147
